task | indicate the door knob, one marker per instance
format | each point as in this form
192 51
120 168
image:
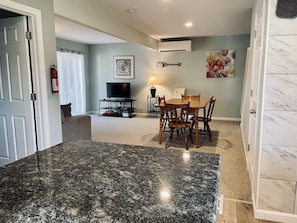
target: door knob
253 111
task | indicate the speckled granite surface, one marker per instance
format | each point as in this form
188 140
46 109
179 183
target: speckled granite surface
88 181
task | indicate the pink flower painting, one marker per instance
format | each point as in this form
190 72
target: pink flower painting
220 63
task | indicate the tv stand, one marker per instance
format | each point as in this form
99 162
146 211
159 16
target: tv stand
117 107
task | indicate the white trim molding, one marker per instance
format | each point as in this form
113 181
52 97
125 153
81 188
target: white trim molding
39 70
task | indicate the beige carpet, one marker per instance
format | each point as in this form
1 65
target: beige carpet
227 141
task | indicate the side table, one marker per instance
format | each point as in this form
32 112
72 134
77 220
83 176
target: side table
152 110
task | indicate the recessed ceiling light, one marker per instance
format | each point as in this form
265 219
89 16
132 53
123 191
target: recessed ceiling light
188 24
131 11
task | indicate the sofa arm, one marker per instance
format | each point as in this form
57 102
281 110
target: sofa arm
77 127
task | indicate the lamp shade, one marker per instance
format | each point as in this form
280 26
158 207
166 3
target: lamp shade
153 80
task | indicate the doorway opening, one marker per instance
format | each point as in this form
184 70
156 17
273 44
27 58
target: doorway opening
20 118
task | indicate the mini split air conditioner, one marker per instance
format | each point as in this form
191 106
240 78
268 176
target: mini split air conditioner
175 46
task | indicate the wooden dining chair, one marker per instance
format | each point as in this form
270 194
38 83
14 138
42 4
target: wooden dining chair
206 118
178 121
161 99
191 97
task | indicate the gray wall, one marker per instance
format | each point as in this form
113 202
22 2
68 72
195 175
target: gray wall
190 75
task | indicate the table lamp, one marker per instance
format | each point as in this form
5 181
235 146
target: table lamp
153 81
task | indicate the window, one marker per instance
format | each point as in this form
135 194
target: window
71 74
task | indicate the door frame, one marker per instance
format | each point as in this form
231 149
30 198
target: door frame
38 68
254 88
262 6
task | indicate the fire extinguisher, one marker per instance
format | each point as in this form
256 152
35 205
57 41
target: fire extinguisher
54 79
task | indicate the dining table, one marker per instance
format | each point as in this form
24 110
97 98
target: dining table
195 106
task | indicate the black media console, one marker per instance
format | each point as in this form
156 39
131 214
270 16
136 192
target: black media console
123 107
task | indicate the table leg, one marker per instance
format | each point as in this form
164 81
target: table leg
196 128
161 125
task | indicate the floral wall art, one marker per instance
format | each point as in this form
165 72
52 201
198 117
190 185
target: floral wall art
220 63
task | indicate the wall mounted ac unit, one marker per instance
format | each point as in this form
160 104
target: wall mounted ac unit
175 46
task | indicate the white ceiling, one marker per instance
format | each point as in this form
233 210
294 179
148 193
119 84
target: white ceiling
162 19
70 30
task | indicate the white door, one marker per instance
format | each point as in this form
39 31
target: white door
17 132
257 75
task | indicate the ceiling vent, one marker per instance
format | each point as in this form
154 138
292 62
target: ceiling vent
174 46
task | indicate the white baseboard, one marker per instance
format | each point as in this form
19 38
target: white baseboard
92 112
275 216
226 119
141 114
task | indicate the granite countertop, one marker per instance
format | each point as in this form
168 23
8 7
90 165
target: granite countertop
89 182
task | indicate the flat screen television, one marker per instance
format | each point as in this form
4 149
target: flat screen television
117 90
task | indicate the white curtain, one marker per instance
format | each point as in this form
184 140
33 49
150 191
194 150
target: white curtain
71 74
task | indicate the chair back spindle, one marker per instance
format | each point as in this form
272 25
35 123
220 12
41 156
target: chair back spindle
161 99
210 109
206 119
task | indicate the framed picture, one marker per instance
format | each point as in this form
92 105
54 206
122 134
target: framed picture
220 63
123 67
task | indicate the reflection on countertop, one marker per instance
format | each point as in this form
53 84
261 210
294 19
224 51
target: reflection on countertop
87 181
